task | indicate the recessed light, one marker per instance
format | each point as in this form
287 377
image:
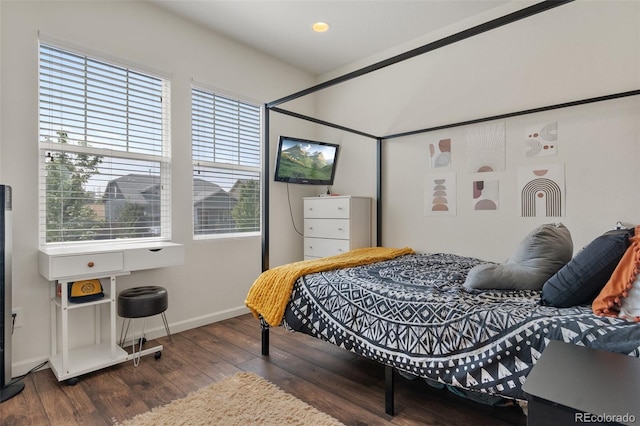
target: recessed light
320 27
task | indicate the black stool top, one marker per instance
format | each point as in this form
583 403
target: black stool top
140 302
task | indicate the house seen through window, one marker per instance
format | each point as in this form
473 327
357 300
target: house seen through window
104 150
226 165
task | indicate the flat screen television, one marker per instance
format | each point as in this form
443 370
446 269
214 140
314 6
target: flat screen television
305 161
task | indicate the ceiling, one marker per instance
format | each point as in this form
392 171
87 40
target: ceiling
359 28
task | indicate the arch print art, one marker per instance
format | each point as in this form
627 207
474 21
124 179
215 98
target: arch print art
541 190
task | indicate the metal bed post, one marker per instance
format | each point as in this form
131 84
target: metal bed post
265 220
389 384
264 327
379 192
265 192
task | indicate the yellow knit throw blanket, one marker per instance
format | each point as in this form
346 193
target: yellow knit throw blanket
270 293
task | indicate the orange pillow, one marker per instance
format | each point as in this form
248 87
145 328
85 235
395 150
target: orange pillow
609 300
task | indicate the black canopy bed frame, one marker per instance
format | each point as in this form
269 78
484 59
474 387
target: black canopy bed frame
471 32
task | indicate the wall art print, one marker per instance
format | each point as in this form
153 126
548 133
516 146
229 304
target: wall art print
485 194
486 147
440 153
440 195
542 140
541 190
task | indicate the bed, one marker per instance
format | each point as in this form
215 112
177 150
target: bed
421 315
441 316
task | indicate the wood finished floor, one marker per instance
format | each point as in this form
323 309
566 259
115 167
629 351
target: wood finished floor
346 386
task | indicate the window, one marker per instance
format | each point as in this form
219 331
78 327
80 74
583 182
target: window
104 150
226 165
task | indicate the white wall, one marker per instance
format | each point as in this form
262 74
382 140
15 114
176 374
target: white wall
598 144
576 51
217 274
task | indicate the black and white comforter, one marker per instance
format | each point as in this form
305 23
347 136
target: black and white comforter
414 314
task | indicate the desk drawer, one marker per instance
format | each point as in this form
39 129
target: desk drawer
156 257
86 264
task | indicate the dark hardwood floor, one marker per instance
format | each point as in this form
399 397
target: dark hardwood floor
346 386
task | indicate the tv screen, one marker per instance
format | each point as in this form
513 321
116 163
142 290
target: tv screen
305 161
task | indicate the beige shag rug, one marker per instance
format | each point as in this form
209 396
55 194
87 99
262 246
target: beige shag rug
241 399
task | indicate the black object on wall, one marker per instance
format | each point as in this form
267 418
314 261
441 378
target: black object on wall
7 389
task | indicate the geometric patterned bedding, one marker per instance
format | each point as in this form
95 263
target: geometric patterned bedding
414 314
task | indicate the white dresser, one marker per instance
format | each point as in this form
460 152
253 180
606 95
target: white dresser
334 225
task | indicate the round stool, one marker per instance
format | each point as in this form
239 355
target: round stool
142 302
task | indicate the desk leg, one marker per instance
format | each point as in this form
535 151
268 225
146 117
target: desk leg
64 321
54 319
112 316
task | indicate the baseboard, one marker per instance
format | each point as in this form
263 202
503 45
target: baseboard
23 367
177 327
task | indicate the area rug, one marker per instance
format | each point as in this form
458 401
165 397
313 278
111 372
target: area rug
241 399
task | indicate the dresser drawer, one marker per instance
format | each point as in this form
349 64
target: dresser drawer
327 207
85 264
327 228
322 247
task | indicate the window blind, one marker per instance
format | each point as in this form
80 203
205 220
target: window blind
104 150
226 151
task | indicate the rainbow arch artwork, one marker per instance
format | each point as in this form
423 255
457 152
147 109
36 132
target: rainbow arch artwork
541 190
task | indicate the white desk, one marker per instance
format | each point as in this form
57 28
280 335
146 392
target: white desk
69 263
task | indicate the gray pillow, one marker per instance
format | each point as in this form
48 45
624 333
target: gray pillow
540 255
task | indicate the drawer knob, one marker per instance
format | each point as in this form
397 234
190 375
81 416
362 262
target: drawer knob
90 264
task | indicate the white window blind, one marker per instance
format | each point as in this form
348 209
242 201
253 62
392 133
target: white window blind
226 165
104 150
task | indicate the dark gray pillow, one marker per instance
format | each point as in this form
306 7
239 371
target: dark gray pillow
540 255
582 279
